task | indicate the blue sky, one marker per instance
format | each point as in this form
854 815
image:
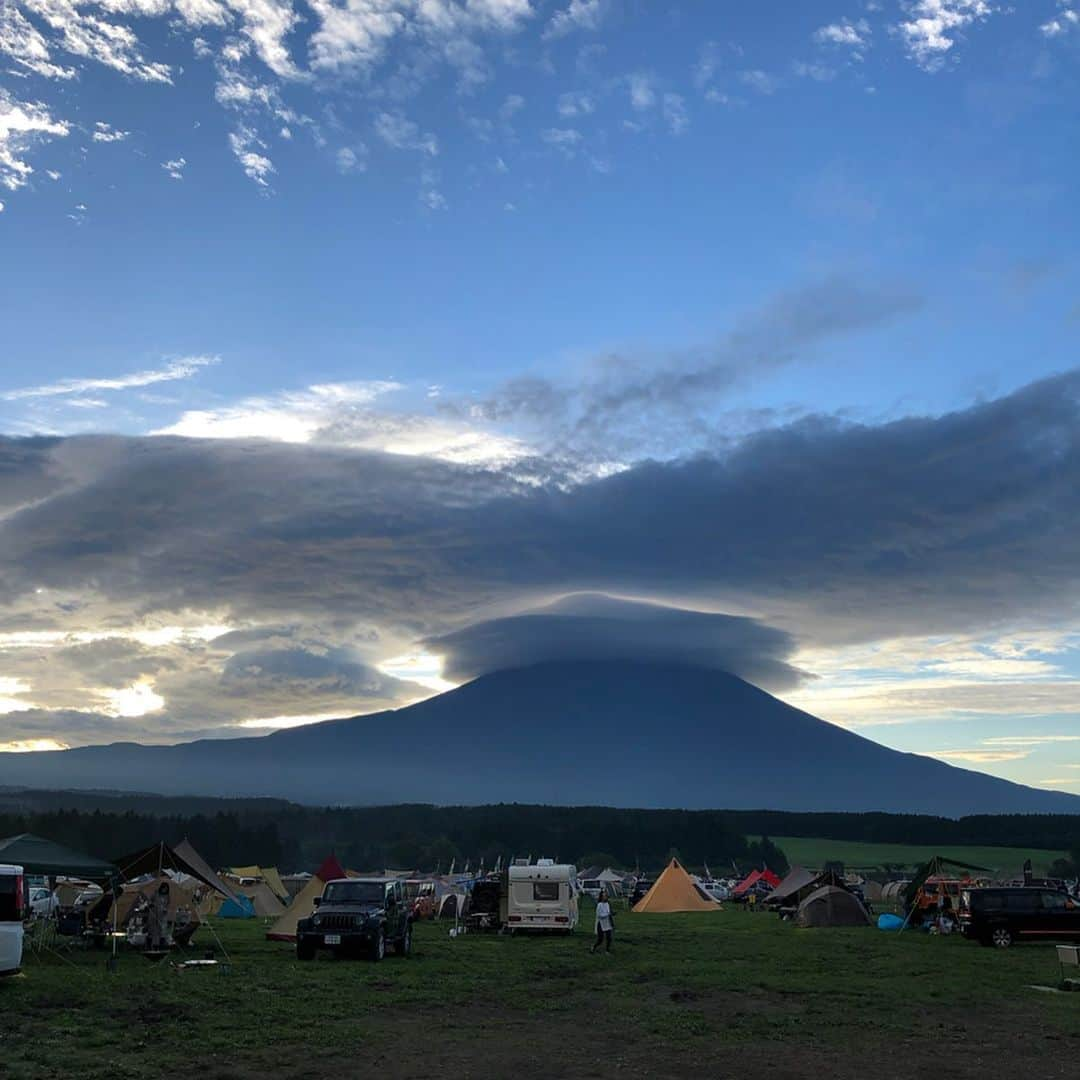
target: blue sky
461 229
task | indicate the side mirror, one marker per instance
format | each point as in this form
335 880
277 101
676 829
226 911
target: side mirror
317 901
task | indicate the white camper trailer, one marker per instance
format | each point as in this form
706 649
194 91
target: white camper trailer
542 897
11 917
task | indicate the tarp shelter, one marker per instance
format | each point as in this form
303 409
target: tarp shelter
180 896
752 879
38 856
939 866
832 906
183 859
304 902
268 874
674 890
797 881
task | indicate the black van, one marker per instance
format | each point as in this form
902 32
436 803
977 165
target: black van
1000 916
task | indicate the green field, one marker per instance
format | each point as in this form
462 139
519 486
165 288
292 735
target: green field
815 852
742 991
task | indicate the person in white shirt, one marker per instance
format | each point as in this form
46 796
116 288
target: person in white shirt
605 924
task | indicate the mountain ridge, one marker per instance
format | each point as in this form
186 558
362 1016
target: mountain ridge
604 733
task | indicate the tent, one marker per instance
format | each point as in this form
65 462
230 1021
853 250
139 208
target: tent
239 907
872 891
674 891
303 903
797 884
265 905
752 879
183 859
293 884
38 856
268 874
832 906
180 896
940 867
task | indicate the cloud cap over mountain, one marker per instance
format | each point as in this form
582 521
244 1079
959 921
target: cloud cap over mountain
596 627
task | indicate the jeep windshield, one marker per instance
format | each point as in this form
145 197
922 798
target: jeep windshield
354 892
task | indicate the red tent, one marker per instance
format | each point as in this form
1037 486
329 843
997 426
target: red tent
766 875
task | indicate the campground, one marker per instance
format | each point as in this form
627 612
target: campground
725 992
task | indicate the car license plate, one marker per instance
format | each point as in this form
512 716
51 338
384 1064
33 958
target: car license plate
332 939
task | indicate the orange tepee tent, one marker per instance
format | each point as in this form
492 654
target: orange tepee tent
674 891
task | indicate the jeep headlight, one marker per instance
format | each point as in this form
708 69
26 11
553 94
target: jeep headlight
316 920
359 921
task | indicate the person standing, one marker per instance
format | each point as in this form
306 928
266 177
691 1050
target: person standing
605 924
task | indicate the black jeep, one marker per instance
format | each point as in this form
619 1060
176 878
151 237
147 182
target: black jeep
357 915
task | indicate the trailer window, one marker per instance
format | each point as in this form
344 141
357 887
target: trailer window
10 904
545 890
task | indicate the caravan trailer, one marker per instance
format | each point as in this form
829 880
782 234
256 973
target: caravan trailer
11 919
542 897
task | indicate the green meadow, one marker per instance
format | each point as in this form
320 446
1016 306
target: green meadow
815 852
730 991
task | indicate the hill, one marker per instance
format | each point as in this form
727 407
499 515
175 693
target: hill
608 733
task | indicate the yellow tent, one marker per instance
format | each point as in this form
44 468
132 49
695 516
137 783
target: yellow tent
674 891
303 904
266 904
268 874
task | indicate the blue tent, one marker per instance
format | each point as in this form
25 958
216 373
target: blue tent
239 908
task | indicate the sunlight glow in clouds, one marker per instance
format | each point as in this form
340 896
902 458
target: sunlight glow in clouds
425 669
139 699
31 746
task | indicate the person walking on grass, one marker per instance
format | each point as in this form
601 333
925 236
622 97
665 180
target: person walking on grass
605 924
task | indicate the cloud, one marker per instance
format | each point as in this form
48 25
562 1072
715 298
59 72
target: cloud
27 46
350 160
106 133
403 134
760 81
854 34
175 168
257 166
577 15
184 368
629 400
930 30
1066 20
593 627
23 124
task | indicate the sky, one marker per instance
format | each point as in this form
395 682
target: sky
353 349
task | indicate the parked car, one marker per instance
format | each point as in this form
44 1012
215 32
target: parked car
421 896
43 902
1001 916
11 919
355 916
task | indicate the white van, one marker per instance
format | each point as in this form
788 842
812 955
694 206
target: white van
11 917
542 898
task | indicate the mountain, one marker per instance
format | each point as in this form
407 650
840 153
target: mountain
612 733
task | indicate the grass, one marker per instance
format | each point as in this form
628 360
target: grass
677 986
815 852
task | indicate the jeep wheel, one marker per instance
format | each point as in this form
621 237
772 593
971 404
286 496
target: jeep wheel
378 949
1002 937
404 946
304 951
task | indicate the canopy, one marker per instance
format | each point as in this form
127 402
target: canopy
303 903
36 855
180 896
673 890
832 906
182 858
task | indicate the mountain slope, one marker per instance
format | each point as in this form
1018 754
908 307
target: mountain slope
614 733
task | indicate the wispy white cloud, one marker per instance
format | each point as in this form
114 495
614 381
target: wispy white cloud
932 26
577 15
1066 20
22 125
854 33
398 131
175 168
183 368
106 133
246 147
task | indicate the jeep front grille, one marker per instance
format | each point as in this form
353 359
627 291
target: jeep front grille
336 922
